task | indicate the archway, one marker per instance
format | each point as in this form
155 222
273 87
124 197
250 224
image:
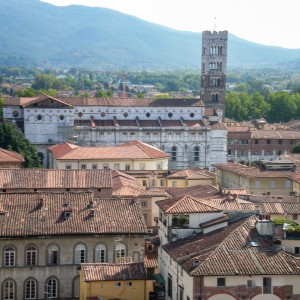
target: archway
222 297
265 297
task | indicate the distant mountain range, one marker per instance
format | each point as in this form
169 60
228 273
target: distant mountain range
41 34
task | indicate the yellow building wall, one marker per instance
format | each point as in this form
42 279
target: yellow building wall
139 290
278 187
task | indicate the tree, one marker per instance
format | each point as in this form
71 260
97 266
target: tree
11 138
1 109
296 149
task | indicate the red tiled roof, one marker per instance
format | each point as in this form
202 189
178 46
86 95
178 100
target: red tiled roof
113 272
250 172
196 191
54 179
171 123
149 123
151 260
10 156
195 174
228 251
186 204
130 150
275 134
280 207
62 149
103 216
218 126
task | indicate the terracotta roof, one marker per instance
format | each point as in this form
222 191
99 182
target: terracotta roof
233 191
228 251
280 207
196 191
194 123
134 102
184 205
193 174
54 179
62 149
130 150
149 123
151 260
250 172
231 204
276 134
209 112
42 214
113 272
29 101
217 126
171 123
10 156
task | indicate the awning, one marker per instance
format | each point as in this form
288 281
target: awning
159 279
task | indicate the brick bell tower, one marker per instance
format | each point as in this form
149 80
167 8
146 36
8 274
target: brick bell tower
213 69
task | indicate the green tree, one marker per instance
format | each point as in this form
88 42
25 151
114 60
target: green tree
11 138
296 149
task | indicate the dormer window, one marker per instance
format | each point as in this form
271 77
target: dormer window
67 214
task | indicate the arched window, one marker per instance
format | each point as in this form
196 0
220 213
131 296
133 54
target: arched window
9 290
30 289
196 153
51 288
174 153
100 253
41 157
221 50
80 254
120 251
31 256
9 257
76 285
52 255
219 82
216 97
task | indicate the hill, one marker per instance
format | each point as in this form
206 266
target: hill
38 33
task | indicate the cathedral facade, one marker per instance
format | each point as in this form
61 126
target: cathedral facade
190 130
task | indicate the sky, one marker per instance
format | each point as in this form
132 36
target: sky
268 22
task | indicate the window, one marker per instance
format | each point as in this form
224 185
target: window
120 251
100 253
174 183
272 184
268 142
159 166
162 182
173 153
31 256
170 287
295 217
257 184
267 285
80 253
9 290
144 182
128 284
9 257
144 203
250 283
127 167
142 166
83 167
221 281
116 166
68 167
256 142
280 142
288 184
196 153
30 289
95 167
51 287
297 250
170 115
105 166
180 293
117 284
52 255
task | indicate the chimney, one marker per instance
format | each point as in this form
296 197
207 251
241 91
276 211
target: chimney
264 225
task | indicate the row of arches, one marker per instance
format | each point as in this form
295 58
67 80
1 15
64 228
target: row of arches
215 50
215 66
215 81
53 254
195 153
31 285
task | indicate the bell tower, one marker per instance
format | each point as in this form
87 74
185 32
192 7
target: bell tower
213 69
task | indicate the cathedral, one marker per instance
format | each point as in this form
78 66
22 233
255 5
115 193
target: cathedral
190 130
